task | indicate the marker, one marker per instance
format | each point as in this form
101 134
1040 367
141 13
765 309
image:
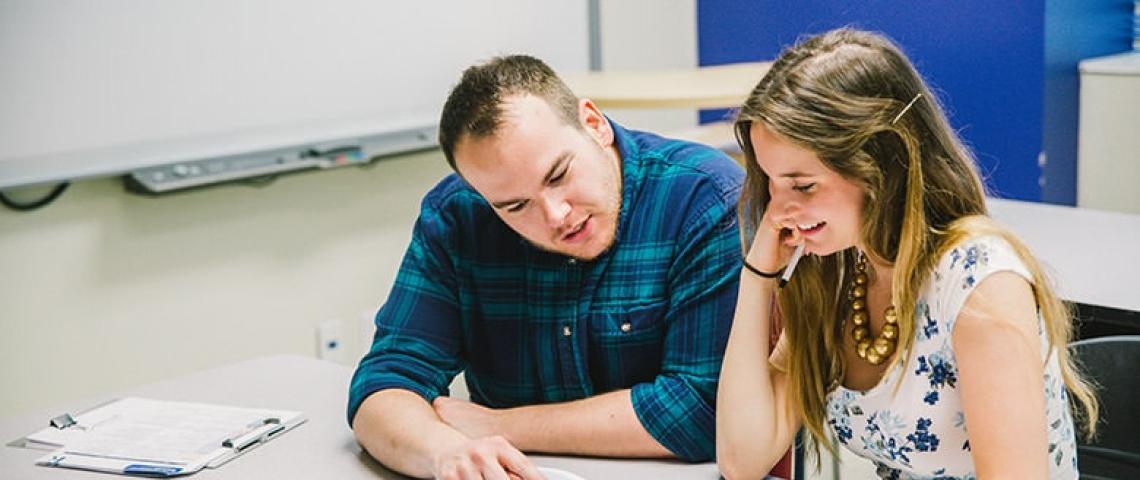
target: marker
792 264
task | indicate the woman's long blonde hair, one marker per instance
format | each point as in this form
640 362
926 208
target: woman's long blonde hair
844 95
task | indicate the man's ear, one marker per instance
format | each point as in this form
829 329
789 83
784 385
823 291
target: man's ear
595 124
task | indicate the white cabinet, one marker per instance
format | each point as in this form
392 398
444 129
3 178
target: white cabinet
1108 158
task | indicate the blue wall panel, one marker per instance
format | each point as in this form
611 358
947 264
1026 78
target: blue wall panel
983 58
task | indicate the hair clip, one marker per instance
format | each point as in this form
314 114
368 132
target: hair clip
907 107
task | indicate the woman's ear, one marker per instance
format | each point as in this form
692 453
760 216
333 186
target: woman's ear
595 124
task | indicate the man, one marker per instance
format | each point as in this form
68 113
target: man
583 276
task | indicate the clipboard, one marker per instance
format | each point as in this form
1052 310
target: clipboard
157 438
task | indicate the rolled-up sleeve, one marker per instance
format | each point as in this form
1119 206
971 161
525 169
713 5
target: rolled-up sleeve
418 336
679 407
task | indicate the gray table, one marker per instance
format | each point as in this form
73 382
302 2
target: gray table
1094 254
323 447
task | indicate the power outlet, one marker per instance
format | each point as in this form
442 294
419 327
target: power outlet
330 341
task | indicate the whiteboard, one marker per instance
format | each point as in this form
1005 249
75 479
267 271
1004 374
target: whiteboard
82 81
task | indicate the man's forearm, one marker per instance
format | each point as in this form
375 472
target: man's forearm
399 429
603 425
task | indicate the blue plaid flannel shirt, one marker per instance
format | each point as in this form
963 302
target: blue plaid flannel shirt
528 326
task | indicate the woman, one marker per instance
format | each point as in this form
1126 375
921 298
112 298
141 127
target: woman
918 332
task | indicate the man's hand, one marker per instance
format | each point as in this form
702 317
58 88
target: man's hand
475 421
491 458
403 432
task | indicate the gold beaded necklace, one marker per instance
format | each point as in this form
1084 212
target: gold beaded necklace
874 350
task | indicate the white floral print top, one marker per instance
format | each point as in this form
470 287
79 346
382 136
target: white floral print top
920 432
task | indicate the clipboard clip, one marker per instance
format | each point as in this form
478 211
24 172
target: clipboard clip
258 432
64 421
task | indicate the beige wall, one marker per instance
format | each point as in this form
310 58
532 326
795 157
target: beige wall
105 289
650 35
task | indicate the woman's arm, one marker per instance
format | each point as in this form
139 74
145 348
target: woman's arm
754 425
1001 373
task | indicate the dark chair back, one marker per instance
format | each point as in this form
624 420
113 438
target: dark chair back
1113 363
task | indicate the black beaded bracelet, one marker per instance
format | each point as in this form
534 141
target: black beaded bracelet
764 274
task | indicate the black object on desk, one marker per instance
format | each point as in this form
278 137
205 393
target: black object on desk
1111 363
1097 321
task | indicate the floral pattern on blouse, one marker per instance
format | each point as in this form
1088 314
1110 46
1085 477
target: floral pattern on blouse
911 425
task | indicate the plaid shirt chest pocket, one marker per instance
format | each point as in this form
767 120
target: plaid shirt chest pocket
626 348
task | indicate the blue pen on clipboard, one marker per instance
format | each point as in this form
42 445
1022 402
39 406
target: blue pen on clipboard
112 465
792 264
152 470
264 429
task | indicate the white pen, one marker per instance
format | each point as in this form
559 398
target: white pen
792 264
268 428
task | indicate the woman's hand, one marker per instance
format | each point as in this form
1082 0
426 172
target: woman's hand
773 244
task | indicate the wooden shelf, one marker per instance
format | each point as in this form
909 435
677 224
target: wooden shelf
721 86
